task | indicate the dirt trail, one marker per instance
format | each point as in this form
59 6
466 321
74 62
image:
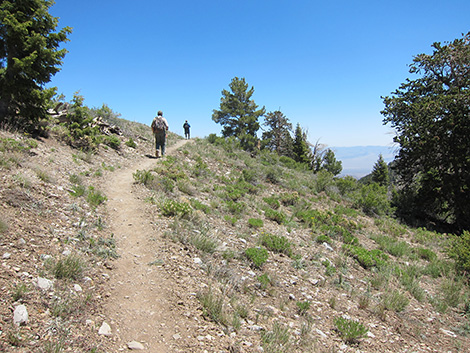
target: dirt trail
139 306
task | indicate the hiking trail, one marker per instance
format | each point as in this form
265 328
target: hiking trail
139 305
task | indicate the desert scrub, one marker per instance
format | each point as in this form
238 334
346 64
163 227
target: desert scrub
19 291
255 222
213 307
279 244
144 177
257 256
104 247
276 340
174 208
349 330
394 301
95 197
69 267
366 258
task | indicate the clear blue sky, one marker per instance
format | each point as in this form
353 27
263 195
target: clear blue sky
324 64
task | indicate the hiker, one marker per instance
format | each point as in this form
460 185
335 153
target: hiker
159 129
186 127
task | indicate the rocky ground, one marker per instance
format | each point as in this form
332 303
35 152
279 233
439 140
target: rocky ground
117 274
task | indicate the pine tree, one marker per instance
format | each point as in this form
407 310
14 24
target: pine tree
278 138
300 148
238 113
380 173
29 57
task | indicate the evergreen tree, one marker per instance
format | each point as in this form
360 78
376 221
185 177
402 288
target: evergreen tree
330 164
278 138
29 57
431 116
238 113
380 173
300 149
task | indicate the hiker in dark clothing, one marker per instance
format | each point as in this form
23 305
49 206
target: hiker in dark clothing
160 130
186 127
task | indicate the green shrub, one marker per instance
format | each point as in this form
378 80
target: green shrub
77 190
394 301
276 340
392 246
289 198
323 179
174 208
366 258
255 222
324 239
426 254
349 330
258 256
198 205
19 291
272 201
279 244
131 143
144 177
346 185
235 208
213 307
277 216
373 200
69 267
112 141
303 306
231 219
95 197
264 280
459 250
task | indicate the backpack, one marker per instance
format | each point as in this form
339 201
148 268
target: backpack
158 124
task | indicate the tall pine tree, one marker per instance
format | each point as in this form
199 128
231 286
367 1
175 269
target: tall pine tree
29 57
300 149
278 136
239 113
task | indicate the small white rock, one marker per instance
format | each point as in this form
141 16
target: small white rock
20 315
105 329
197 260
44 283
77 288
6 255
134 345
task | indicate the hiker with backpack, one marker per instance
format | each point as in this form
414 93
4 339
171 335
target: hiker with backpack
159 128
186 127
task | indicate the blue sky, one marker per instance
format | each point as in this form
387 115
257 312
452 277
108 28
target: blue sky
324 64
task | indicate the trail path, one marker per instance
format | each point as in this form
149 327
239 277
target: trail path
139 304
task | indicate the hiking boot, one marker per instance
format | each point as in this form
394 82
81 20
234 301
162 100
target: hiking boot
157 154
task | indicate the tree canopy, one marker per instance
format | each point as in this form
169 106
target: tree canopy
430 115
278 135
29 57
239 113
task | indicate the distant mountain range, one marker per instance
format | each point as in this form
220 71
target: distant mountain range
358 161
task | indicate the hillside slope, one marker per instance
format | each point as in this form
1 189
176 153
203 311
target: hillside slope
209 250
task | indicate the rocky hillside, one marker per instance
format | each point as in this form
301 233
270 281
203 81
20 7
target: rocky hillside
262 256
